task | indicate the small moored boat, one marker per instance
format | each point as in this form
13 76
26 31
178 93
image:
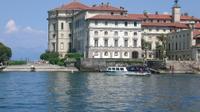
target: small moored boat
138 71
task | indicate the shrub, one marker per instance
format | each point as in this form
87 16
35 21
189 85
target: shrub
17 62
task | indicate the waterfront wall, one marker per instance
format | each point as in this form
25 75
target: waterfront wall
102 64
39 68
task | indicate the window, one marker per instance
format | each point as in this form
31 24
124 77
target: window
116 54
54 35
96 33
62 26
96 54
116 43
126 23
112 13
135 23
116 23
96 42
135 33
116 33
106 42
180 46
62 46
126 54
106 53
126 43
150 56
105 33
134 43
122 69
106 23
113 69
96 22
125 33
176 46
54 26
54 46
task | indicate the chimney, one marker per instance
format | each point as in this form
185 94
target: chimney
108 4
186 14
156 12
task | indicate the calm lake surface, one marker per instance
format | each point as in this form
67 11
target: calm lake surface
96 92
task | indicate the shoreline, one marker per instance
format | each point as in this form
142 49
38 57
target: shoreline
38 68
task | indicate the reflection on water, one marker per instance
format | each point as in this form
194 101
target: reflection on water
83 92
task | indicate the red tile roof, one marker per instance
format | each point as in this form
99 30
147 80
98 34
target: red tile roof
175 25
189 18
113 17
163 17
197 26
80 6
196 34
153 16
73 6
106 7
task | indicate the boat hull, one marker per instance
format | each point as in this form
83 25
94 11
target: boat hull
138 74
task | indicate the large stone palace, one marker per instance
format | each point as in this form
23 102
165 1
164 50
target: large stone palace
105 31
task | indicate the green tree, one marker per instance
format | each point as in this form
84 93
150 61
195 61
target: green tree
74 56
52 57
5 53
145 46
161 49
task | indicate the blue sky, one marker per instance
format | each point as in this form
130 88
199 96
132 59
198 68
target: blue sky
23 24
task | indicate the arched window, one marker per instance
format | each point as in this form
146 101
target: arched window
116 54
106 33
126 54
135 33
125 33
116 33
96 33
106 53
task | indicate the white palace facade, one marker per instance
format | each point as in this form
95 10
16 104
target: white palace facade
104 31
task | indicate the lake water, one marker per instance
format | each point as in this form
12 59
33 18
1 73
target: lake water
96 92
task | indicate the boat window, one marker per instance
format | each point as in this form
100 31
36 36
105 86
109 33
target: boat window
109 68
117 69
122 69
113 68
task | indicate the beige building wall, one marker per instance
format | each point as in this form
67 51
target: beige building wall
180 45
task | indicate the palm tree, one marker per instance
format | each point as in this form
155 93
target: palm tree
145 46
161 49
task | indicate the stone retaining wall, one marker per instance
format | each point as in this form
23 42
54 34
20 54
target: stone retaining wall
102 64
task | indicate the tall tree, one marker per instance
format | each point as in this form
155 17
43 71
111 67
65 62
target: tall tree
5 53
161 49
145 46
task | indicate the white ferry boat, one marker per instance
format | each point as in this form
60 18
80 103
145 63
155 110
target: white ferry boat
116 71
129 71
